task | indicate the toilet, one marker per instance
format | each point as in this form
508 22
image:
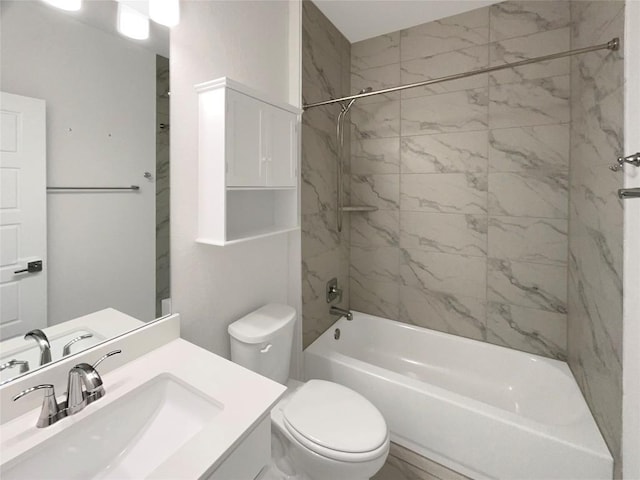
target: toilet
323 430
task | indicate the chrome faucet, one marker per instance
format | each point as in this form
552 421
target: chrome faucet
82 375
85 375
341 312
43 343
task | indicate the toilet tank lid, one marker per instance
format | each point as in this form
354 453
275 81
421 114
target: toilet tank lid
262 324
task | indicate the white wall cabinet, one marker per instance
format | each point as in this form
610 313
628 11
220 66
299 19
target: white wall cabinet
262 143
248 164
246 152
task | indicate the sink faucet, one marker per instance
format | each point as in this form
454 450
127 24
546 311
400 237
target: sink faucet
82 375
85 375
341 312
43 343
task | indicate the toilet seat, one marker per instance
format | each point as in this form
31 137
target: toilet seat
346 457
335 422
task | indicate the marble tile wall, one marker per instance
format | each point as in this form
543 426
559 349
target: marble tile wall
470 177
325 252
596 217
163 267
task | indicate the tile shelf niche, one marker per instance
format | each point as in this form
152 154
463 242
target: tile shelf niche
248 164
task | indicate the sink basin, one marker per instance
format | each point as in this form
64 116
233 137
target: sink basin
128 438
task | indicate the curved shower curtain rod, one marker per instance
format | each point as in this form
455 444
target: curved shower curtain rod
613 44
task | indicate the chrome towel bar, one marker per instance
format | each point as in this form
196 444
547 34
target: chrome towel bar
132 187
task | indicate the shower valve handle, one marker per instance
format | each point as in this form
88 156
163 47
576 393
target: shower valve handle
630 159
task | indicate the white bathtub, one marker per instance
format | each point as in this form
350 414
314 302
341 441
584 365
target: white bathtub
482 410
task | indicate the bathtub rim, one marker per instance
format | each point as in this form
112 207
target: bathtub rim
459 338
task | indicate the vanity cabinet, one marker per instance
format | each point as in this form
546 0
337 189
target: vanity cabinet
248 164
250 458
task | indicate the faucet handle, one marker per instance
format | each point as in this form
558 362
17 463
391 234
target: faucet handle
102 359
50 412
50 391
66 350
22 364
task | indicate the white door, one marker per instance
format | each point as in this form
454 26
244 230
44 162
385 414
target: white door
23 215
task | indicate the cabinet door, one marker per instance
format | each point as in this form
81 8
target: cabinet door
245 151
282 146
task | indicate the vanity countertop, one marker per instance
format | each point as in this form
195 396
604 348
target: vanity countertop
245 397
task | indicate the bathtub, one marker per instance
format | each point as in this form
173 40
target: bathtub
479 409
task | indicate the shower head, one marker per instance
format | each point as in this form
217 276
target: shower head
352 101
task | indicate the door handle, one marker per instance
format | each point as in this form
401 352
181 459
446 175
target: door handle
32 267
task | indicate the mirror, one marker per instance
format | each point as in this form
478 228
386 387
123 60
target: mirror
85 180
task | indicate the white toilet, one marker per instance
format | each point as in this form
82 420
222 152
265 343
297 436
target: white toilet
330 431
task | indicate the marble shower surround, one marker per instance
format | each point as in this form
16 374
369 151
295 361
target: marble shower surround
596 217
471 177
325 251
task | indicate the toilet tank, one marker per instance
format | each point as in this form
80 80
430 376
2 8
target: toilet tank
262 341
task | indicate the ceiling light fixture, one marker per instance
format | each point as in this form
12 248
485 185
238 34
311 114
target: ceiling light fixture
165 12
132 22
134 15
69 5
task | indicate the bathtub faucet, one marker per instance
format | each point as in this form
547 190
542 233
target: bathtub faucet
341 312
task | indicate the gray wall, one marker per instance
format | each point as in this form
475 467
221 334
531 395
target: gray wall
325 252
470 177
596 217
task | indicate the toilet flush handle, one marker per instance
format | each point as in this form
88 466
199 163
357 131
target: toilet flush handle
266 348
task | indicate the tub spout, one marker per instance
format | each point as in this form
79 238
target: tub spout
341 312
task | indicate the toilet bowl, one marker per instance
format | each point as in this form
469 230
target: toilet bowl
330 431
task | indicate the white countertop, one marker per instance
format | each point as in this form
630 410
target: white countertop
246 398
